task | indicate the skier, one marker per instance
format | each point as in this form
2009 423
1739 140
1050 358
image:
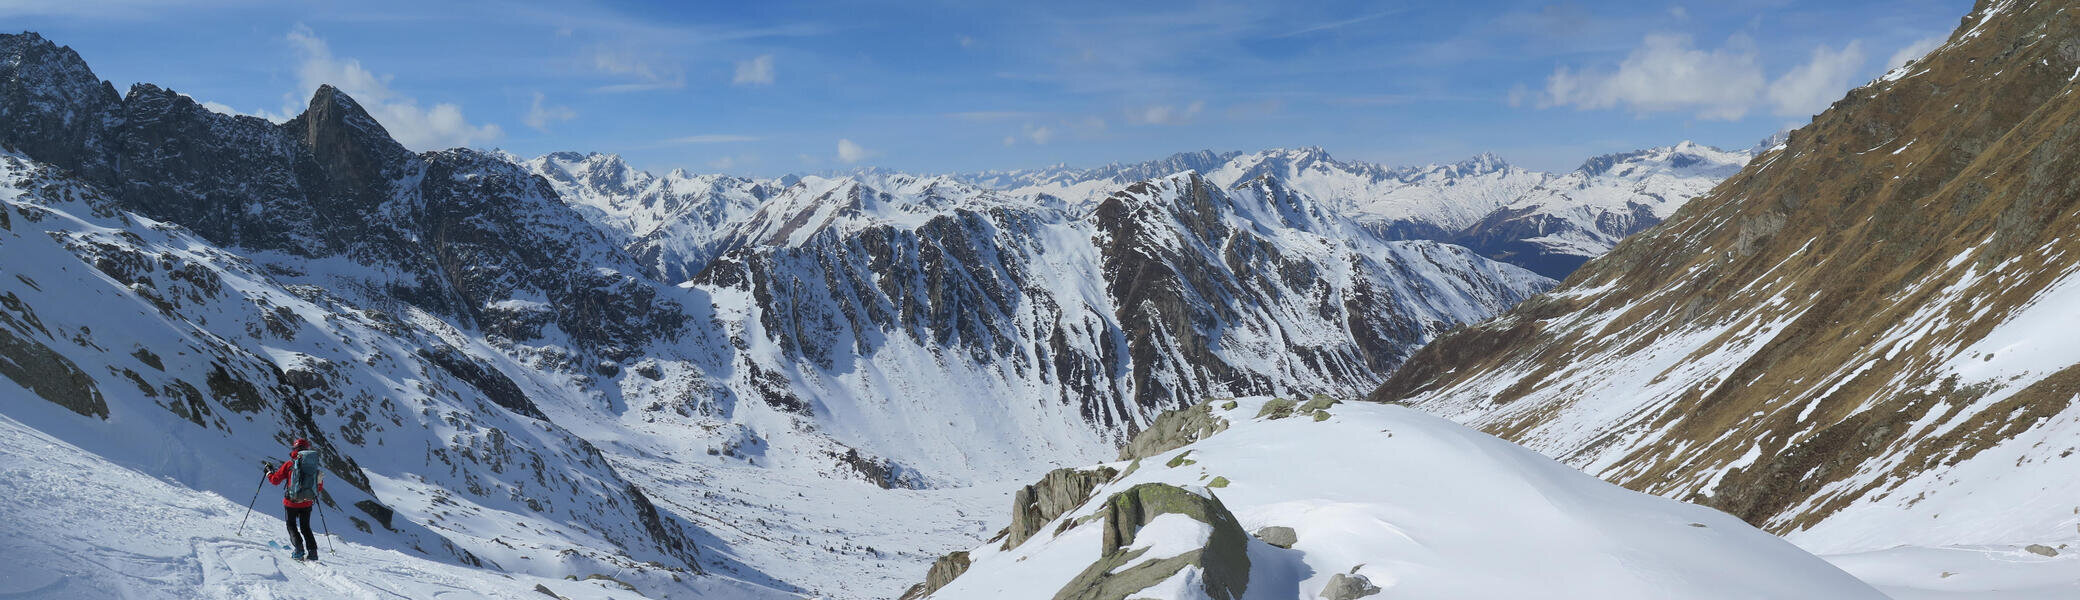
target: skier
305 481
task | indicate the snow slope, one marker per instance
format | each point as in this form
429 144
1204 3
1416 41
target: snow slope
1863 341
76 525
1412 504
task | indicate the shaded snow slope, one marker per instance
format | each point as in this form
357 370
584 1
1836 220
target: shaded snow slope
1387 497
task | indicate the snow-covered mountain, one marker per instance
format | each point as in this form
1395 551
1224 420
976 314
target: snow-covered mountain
566 368
1549 223
1265 498
858 298
1570 218
1864 340
671 223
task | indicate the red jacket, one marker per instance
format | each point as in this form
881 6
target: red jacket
281 475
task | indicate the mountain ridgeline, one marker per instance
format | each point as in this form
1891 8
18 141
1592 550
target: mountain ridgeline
577 349
1862 340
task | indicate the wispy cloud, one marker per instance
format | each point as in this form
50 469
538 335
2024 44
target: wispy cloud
1914 51
540 115
439 126
1810 87
1166 114
757 71
993 115
1333 25
647 72
713 138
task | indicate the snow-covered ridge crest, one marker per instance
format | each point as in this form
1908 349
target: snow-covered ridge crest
1262 500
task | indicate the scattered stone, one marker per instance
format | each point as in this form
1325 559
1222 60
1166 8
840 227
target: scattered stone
1348 587
2041 550
1174 429
1283 537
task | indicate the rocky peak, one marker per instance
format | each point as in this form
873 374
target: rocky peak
55 109
1480 164
347 143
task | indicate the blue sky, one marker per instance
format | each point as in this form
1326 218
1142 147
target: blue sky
765 88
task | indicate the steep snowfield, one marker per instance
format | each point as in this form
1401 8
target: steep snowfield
75 525
1412 504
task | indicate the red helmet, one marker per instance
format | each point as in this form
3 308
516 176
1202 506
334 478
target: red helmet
300 444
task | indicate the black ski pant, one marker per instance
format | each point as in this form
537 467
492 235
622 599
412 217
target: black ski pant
300 532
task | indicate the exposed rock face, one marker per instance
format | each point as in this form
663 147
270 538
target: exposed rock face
1224 559
1060 491
54 106
942 571
1834 337
44 371
315 278
465 230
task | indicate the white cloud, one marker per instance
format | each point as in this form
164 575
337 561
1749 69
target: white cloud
1809 88
1010 140
712 138
1914 51
733 162
539 116
1040 135
757 71
648 74
966 41
440 126
1666 73
850 152
1166 114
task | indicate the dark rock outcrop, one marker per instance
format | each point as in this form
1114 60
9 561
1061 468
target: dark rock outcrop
1174 429
943 571
1060 491
1224 559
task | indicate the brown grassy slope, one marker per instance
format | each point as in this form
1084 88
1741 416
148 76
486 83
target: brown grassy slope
1844 239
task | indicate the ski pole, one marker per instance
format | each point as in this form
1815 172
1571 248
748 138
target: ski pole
249 506
328 529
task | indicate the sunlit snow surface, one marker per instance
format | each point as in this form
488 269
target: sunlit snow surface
74 525
1425 508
